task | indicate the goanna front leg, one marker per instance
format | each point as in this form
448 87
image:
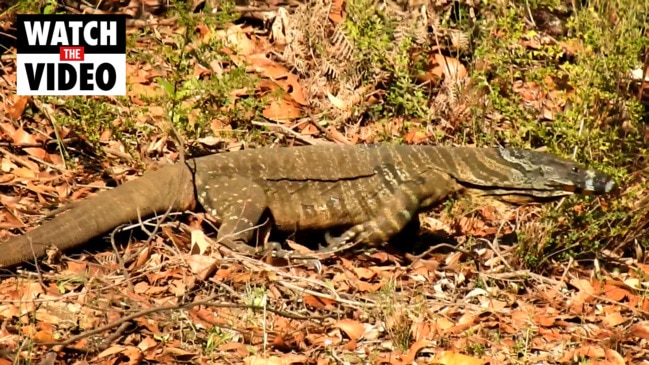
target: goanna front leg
239 204
396 212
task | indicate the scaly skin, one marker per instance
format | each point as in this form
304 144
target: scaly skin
373 190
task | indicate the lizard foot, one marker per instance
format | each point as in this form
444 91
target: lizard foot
342 242
360 233
276 251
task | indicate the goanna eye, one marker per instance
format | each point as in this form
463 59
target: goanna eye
575 170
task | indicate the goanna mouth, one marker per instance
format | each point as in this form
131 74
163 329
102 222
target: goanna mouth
596 183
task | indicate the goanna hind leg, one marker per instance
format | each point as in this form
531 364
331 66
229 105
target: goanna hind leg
239 204
389 220
396 212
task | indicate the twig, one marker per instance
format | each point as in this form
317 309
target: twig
14 158
645 68
146 222
209 302
128 318
49 114
291 132
120 260
416 258
38 145
118 154
39 273
113 336
23 163
337 298
521 274
452 247
152 234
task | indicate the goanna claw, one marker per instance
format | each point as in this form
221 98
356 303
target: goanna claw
332 243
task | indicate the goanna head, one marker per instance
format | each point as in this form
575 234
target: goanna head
532 175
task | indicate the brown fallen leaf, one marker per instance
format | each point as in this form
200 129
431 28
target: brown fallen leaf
338 137
414 349
439 65
235 38
364 273
640 330
22 137
203 30
286 359
353 329
111 351
267 67
16 110
179 354
337 11
202 266
453 358
615 293
613 357
283 108
147 343
317 302
614 319
416 136
368 287
296 91
135 356
199 244
238 348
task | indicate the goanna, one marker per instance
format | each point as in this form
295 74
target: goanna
373 191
